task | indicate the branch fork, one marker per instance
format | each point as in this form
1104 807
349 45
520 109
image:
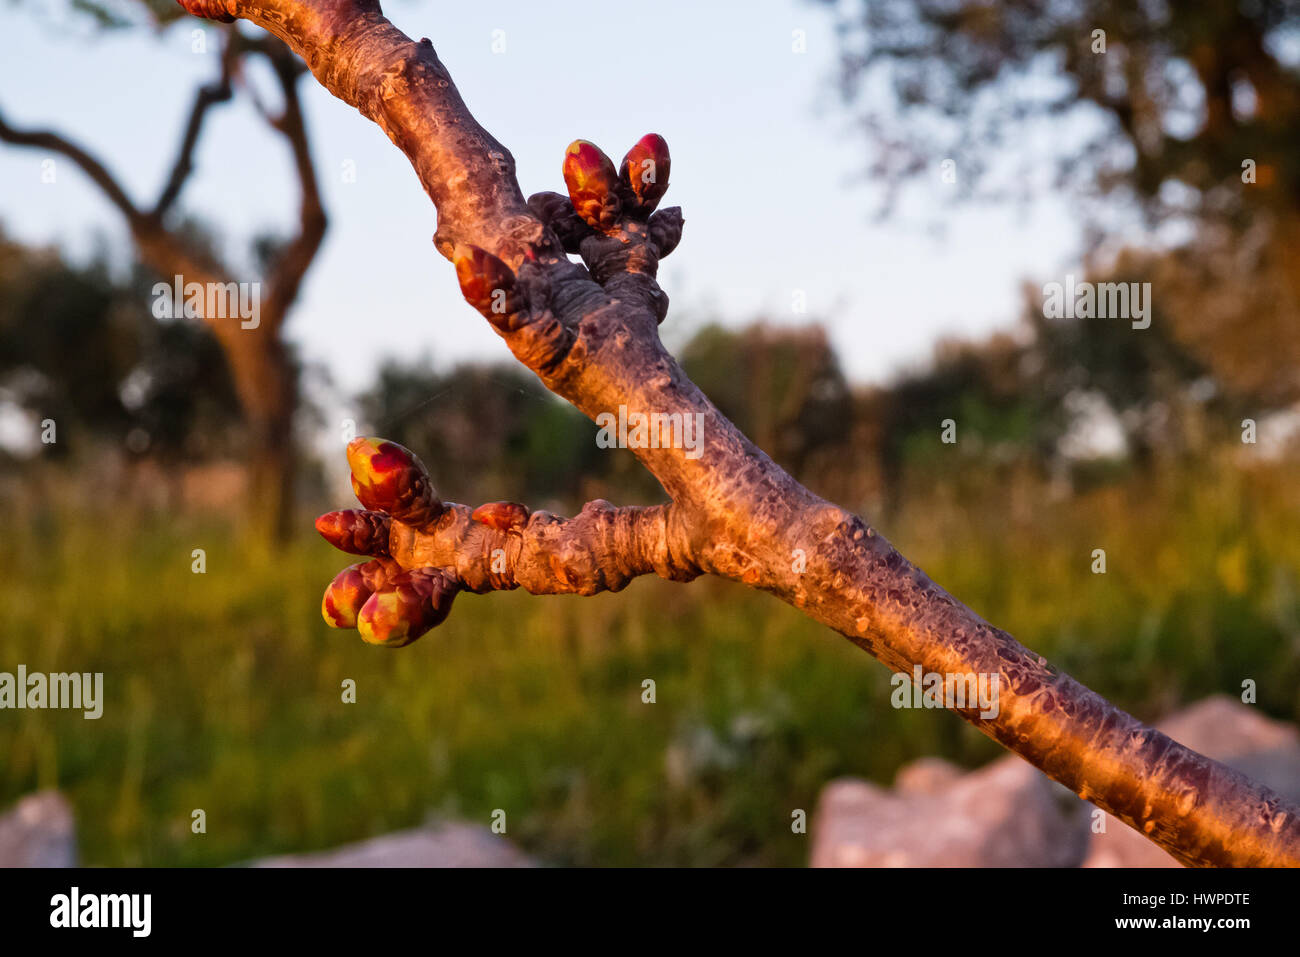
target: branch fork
424 551
590 332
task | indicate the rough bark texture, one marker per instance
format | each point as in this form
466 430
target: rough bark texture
590 333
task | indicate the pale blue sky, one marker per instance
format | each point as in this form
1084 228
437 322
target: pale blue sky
764 165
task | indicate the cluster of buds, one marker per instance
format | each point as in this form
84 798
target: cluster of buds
351 588
601 198
609 217
387 604
409 605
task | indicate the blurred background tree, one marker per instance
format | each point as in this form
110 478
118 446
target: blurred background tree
781 385
263 369
1186 112
131 386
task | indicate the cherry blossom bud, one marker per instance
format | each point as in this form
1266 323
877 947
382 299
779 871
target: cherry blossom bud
487 284
352 588
502 516
355 531
593 184
645 171
390 478
406 607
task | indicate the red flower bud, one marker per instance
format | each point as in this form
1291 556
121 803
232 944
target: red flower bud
593 184
355 531
645 170
487 283
502 516
352 588
406 607
390 478
208 9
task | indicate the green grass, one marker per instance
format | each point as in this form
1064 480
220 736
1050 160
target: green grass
223 690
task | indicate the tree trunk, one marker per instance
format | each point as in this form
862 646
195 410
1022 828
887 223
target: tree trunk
264 378
263 373
272 456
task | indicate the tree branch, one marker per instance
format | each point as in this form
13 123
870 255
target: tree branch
495 547
158 248
590 333
219 91
258 362
360 57
89 164
296 257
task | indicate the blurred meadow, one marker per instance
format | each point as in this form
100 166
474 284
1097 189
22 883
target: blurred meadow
223 689
1173 447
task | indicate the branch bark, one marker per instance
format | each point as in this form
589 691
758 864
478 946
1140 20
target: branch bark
590 333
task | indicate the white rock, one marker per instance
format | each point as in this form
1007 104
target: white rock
1007 814
443 845
38 831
